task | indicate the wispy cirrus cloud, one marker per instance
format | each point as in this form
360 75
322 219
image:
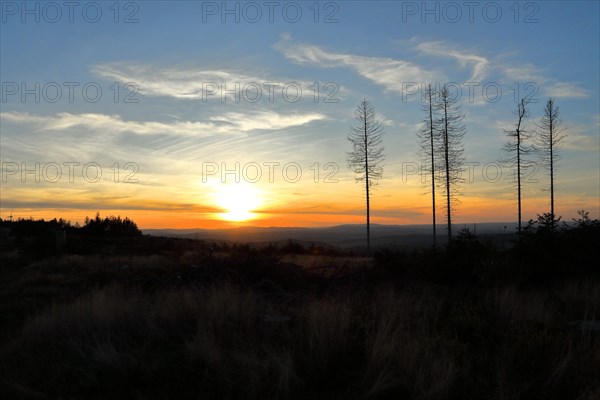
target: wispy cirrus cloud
228 123
580 138
478 63
566 90
193 83
390 73
550 87
511 70
173 82
522 72
394 74
107 202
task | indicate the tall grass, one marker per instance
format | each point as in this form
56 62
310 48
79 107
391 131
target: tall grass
129 337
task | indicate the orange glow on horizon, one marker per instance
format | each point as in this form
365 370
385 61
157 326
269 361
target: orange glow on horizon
472 210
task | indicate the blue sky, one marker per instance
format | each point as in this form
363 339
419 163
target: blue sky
375 49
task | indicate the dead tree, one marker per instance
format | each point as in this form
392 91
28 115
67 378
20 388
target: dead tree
366 157
452 131
549 137
517 149
429 144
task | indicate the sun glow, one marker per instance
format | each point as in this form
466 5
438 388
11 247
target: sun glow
238 201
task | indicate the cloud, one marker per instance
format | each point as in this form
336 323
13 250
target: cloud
394 74
566 90
173 82
550 86
387 72
578 139
193 83
229 123
510 69
523 73
479 63
108 202
267 120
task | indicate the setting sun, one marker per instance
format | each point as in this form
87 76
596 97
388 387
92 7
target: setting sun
238 201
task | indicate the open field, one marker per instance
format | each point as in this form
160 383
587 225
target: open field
165 318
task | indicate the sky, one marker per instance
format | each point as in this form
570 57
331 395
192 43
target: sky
191 114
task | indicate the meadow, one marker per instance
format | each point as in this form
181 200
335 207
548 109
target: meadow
140 317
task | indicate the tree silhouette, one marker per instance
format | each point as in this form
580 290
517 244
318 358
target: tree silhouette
366 157
452 130
110 226
549 136
429 137
516 148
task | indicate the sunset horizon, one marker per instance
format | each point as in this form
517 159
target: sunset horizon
256 134
291 200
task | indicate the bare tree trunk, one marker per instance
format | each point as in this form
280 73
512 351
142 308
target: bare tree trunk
366 156
549 136
517 161
429 150
551 148
519 177
366 138
432 167
453 130
447 165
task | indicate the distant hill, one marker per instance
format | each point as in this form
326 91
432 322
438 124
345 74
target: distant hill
345 236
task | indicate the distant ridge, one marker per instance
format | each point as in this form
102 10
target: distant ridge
347 235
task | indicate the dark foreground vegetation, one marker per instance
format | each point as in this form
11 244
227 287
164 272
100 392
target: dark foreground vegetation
126 316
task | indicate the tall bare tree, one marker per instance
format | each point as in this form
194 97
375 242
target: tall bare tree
452 130
549 137
429 137
366 157
517 149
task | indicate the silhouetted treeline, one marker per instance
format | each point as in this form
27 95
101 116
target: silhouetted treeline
110 226
35 227
34 238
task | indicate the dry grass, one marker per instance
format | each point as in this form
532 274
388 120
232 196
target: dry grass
122 337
